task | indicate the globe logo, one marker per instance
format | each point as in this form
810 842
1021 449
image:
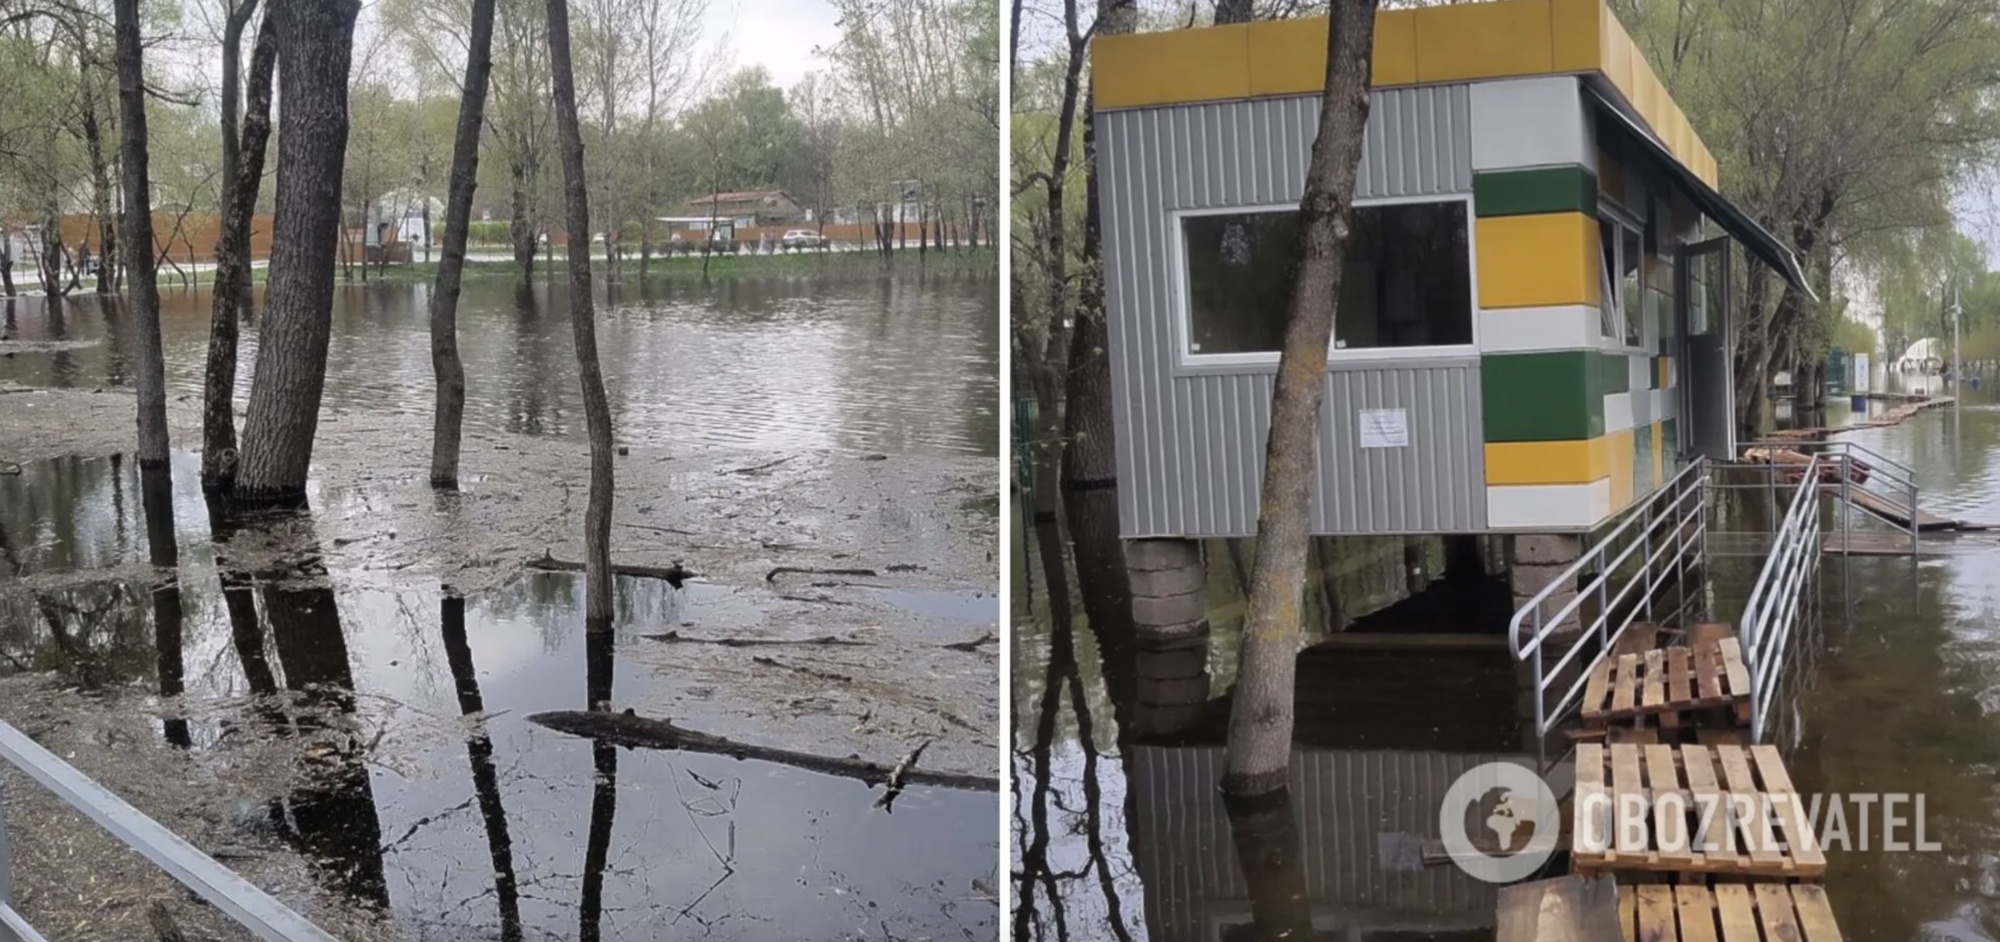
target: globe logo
1500 822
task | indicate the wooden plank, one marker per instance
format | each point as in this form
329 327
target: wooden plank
1708 669
1628 913
1654 694
1593 693
1656 912
1678 688
1590 832
1732 664
1625 781
1774 910
1697 912
1815 916
1749 812
1625 683
1670 806
1717 841
1571 908
1734 911
1799 837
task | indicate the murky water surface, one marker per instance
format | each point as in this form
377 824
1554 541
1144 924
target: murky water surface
893 365
1121 832
437 800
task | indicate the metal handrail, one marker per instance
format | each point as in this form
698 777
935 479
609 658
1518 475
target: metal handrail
1899 490
1773 608
251 907
1678 506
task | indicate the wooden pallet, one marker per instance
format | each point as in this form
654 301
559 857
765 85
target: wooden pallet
1665 684
1699 809
1726 912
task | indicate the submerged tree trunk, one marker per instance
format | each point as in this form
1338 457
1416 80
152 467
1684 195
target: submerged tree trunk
1090 460
522 228
316 44
151 379
583 327
1260 720
242 176
100 184
445 363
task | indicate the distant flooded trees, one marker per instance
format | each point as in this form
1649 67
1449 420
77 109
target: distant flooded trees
145 292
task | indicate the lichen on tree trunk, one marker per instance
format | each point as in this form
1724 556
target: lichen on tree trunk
316 45
1260 720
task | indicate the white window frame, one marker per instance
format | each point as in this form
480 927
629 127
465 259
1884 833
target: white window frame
1611 281
1183 313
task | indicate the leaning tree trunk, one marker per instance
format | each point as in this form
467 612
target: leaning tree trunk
145 295
583 327
1260 721
242 176
316 44
445 363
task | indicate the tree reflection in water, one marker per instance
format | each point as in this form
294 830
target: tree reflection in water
479 751
599 645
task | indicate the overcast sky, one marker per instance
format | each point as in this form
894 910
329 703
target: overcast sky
779 35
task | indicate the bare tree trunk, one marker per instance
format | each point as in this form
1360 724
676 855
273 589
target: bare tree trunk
316 44
522 227
242 176
445 362
583 326
100 197
145 297
1233 11
1260 720
1090 460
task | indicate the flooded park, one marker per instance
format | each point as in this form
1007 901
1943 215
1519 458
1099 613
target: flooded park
361 709
1120 828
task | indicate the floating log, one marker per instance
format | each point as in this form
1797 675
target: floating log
640 732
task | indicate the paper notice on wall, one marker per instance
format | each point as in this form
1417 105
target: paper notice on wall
1384 428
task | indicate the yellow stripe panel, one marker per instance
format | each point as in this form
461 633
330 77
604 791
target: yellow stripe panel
1664 381
1176 66
1541 260
1569 462
1484 40
1450 43
1659 456
1623 459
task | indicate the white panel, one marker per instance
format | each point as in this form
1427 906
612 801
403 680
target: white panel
1618 412
1666 404
1639 372
1532 329
1548 506
1532 122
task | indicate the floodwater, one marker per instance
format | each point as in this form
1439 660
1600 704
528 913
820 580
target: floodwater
894 365
419 787
1121 833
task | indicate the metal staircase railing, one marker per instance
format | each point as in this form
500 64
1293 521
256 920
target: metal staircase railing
1859 474
1775 604
1622 573
249 906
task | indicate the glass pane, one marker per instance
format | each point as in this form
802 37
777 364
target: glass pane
1240 269
1407 281
1607 236
1630 283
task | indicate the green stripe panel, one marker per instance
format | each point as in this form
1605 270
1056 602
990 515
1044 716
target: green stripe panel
1571 189
1670 445
1542 397
1617 370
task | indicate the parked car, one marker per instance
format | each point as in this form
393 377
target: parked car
802 239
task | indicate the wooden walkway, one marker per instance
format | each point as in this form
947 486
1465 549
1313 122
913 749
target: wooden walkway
1890 511
1592 909
1668 685
1705 810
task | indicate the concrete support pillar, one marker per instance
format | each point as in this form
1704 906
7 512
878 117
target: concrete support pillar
1170 622
1535 561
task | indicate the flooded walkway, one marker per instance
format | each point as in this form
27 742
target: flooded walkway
1899 686
311 703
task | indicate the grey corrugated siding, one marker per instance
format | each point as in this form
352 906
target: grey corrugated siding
1355 809
1191 447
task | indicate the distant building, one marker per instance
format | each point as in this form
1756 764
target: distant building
748 208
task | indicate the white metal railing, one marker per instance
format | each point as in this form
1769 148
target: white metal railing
1863 479
1627 569
251 907
1776 599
